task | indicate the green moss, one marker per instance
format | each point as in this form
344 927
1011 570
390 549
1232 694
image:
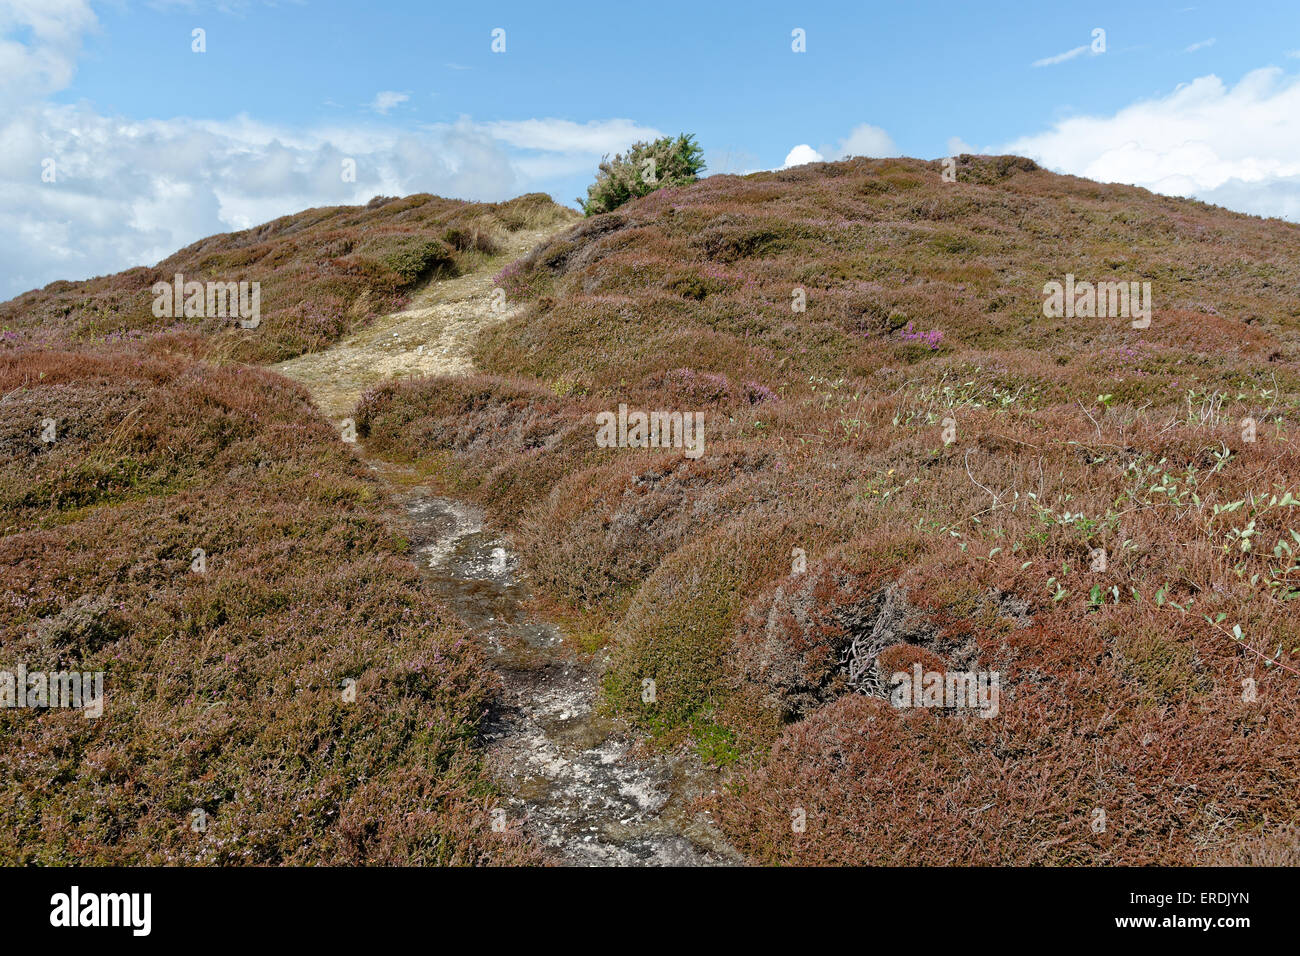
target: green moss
1164 667
678 630
715 743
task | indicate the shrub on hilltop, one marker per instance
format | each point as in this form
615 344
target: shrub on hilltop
645 168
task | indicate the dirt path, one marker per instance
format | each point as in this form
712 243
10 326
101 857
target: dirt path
433 335
576 781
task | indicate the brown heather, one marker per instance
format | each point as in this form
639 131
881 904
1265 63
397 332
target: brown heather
223 690
1122 689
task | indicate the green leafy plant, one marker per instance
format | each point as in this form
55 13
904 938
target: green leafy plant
646 167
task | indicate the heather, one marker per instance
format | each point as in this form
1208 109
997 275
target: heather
906 462
323 273
278 687
1106 515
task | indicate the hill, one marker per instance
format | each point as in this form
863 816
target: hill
279 687
322 273
915 453
913 456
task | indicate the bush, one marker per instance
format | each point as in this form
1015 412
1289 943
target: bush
645 168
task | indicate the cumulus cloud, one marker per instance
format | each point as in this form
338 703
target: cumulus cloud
47 61
867 140
83 193
385 100
1280 197
801 154
129 192
863 140
957 146
1228 145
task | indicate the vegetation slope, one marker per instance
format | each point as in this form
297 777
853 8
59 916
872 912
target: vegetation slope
279 688
322 272
1104 514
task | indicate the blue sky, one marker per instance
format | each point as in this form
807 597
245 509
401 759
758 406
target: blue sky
154 145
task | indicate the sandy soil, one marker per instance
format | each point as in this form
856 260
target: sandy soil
431 336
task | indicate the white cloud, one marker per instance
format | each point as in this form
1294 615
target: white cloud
47 61
553 148
556 135
1236 146
131 192
386 100
863 140
1294 54
1278 197
1200 45
867 140
1061 57
801 154
957 146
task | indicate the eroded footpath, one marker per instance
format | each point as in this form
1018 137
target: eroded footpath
576 781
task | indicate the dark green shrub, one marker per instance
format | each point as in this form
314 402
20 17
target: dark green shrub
645 168
415 257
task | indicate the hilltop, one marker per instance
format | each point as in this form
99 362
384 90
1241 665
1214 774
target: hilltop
323 274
